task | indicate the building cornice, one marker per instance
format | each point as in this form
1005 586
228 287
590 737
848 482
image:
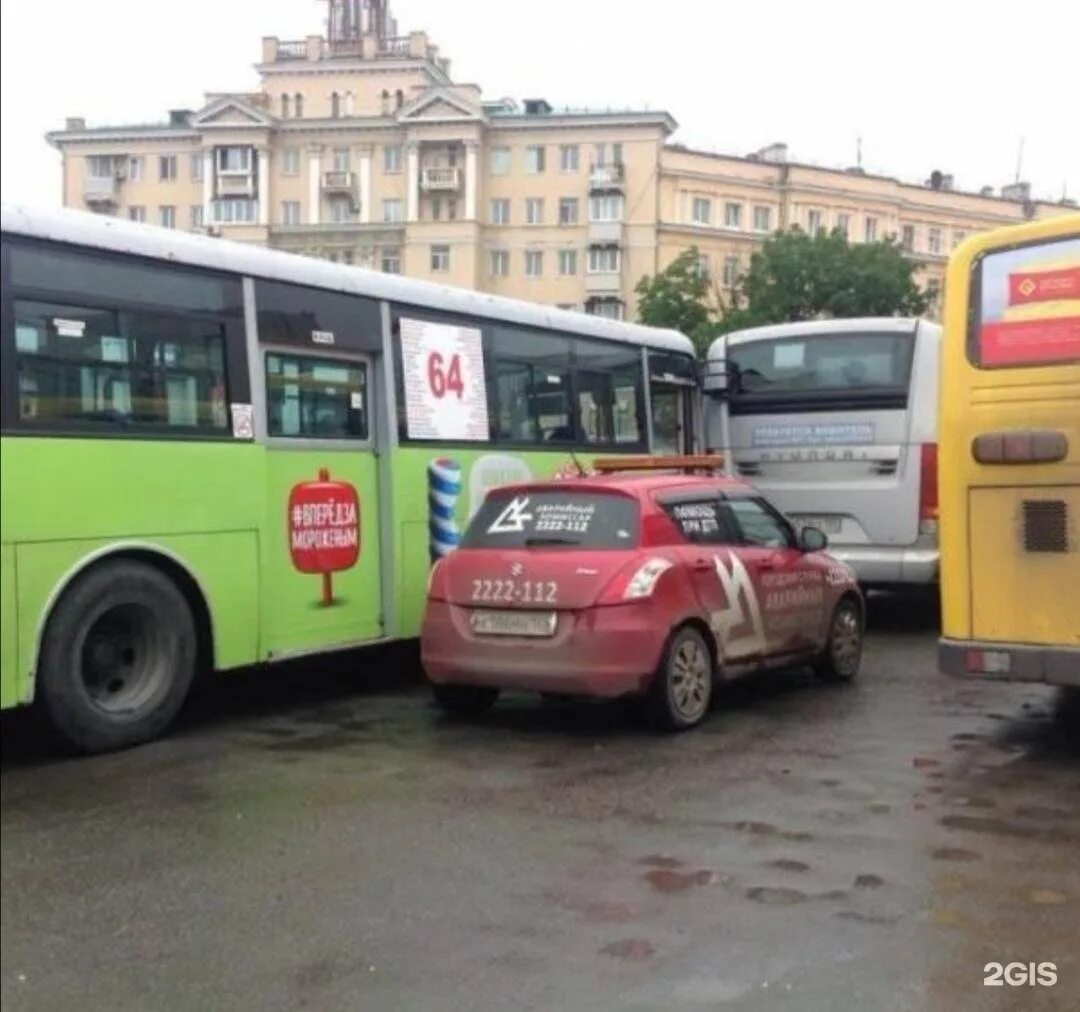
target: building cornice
524 121
57 138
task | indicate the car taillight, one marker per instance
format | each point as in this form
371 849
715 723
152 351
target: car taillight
928 490
643 582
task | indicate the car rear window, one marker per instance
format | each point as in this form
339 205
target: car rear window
554 518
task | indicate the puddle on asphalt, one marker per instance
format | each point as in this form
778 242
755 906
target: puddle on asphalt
788 864
775 895
635 950
668 880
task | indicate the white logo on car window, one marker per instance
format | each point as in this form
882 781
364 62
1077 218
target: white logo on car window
737 587
513 519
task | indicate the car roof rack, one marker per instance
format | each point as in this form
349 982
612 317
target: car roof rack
689 463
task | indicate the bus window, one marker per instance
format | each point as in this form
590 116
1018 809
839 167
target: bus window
316 398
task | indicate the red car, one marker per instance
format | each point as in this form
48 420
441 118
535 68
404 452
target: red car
628 583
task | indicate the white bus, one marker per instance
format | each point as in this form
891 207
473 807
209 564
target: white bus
836 420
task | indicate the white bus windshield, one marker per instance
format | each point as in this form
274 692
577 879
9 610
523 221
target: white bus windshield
821 372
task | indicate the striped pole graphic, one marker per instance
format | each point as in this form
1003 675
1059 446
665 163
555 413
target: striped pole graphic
444 488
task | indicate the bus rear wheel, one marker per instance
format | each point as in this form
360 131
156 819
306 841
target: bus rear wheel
117 658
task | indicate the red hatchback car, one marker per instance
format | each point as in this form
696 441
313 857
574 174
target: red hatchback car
628 583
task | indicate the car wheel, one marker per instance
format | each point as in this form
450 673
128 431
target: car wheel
840 660
680 693
117 658
464 700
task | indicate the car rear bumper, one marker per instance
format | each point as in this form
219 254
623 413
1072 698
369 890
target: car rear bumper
606 652
1025 663
877 565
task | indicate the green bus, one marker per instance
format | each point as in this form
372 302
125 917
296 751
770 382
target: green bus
215 455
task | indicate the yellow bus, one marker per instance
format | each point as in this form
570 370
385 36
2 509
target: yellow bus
1009 456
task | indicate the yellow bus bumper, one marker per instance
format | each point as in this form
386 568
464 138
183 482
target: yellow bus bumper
1009 662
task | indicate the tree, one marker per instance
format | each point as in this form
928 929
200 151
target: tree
794 276
797 276
680 297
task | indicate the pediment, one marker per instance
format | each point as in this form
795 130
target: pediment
231 112
439 104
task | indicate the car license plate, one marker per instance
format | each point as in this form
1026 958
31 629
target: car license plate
489 622
825 524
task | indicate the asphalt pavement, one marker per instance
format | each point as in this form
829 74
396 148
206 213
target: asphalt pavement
320 837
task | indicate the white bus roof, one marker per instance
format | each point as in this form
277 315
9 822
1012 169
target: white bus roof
812 328
85 229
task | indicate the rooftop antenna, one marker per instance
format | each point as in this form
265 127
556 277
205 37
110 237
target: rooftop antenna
1019 159
858 150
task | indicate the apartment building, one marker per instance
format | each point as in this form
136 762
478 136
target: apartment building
360 147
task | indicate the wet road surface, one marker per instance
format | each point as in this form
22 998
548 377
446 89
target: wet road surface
299 844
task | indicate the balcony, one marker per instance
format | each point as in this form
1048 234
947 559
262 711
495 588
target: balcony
102 191
235 184
340 184
603 284
605 233
608 176
440 179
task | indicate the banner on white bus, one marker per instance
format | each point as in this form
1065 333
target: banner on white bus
443 372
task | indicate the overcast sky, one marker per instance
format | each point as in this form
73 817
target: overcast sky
946 84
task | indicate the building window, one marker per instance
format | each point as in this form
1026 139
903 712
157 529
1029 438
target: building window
534 159
451 209
197 167
569 158
391 210
298 105
610 309
391 159
335 105
500 161
136 213
290 212
604 259
701 211
99 166
135 168
534 263
234 210
500 263
958 237
167 168
701 266
843 224
870 230
605 207
762 219
440 259
933 240
167 216
341 159
436 208
235 159
731 271
500 211
534 210
567 262
733 215
607 154
933 294
340 211
285 106
197 216
290 162
907 238
568 211
814 222
390 261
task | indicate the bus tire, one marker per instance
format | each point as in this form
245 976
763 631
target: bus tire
117 658
465 700
840 660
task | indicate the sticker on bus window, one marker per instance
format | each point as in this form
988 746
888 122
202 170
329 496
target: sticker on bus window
69 328
322 336
789 356
1029 305
243 421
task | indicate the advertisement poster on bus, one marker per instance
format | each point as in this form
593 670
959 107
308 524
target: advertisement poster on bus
443 372
1030 305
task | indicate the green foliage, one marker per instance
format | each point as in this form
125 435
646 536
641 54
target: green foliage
794 276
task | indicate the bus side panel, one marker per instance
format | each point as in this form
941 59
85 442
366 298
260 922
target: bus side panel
224 565
12 688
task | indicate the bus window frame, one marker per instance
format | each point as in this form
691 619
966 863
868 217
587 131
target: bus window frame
400 310
974 305
237 377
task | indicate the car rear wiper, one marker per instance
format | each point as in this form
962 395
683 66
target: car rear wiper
536 542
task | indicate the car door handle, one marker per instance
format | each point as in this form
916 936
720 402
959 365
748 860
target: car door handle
702 565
